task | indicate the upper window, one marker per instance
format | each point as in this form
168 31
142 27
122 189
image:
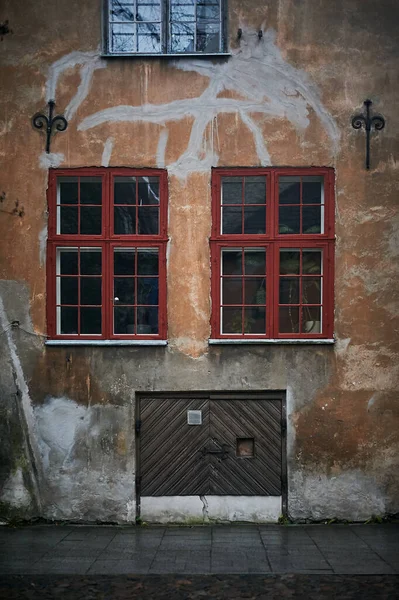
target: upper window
164 27
272 253
106 254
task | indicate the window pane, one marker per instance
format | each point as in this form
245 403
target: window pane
208 37
68 320
232 320
90 220
231 262
90 261
255 219
90 290
90 320
123 38
208 10
90 190
147 262
148 220
68 262
232 290
124 263
311 319
255 262
255 320
125 190
289 219
69 220
311 290
147 290
124 220
255 190
232 219
182 37
121 11
68 190
124 320
147 320
289 261
289 190
311 190
182 10
148 10
311 219
289 319
148 190
124 290
149 38
69 290
231 190
255 290
311 261
289 290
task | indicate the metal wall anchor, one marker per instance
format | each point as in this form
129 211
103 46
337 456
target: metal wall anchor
359 120
40 121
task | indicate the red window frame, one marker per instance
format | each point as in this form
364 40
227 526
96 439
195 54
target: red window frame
273 242
107 241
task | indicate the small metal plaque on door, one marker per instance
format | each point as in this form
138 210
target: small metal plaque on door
194 417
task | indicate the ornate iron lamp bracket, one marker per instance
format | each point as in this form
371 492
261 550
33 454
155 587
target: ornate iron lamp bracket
377 121
41 121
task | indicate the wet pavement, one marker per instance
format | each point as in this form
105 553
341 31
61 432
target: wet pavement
237 561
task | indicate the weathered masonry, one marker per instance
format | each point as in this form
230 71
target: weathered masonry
198 293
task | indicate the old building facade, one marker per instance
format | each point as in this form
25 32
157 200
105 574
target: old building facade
198 295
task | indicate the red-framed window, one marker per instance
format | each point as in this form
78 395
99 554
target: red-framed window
106 262
272 253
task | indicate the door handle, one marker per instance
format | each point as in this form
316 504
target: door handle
222 452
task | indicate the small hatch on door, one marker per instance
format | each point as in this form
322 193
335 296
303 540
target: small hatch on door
245 447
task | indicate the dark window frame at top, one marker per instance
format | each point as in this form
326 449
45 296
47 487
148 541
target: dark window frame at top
99 243
272 270
164 31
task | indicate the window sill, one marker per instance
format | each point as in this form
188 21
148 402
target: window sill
171 55
106 343
299 342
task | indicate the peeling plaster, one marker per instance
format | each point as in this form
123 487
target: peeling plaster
257 71
14 491
24 399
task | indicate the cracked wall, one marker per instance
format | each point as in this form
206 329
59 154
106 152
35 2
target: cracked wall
284 100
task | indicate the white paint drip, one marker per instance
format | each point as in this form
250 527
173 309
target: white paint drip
108 146
258 72
51 160
90 61
161 150
43 245
24 397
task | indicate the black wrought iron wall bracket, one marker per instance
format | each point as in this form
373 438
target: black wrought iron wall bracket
41 121
368 121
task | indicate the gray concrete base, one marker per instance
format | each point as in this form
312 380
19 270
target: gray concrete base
189 509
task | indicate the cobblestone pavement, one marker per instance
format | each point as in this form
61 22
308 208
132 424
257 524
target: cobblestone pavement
199 587
239 549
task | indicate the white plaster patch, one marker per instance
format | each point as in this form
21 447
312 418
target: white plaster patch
89 61
351 495
14 491
341 345
258 72
86 477
161 150
106 157
183 509
51 160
